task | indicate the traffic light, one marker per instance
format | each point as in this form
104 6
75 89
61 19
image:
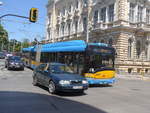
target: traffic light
33 14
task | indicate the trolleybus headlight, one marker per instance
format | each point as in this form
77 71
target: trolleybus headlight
64 82
84 82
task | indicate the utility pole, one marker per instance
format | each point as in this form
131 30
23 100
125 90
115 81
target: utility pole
14 46
87 29
88 5
21 47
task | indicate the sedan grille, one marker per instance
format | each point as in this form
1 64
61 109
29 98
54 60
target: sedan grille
76 82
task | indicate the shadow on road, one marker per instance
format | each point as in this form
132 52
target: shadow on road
24 102
100 86
70 94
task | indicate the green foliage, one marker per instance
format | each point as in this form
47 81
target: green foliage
3 38
25 43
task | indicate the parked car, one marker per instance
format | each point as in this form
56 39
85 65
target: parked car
14 62
59 77
2 55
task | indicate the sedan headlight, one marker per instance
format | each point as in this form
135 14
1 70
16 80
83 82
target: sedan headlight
12 63
64 82
84 82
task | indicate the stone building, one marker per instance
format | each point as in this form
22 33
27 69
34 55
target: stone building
124 24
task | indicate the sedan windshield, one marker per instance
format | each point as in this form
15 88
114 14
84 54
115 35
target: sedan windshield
15 58
61 69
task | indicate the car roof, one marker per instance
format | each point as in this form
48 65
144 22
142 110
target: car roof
14 57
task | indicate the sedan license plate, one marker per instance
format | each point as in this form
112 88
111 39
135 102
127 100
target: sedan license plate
17 66
77 87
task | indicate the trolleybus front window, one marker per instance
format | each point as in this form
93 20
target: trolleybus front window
98 62
99 58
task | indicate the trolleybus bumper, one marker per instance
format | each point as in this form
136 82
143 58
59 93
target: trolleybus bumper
100 81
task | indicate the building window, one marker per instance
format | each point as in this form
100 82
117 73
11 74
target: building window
138 48
76 26
129 48
95 17
64 11
49 33
103 14
132 11
63 29
111 13
146 50
130 70
84 23
49 18
58 31
102 41
140 13
69 28
59 13
70 8
148 16
85 2
110 41
77 4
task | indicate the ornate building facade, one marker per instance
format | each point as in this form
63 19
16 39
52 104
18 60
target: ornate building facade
124 24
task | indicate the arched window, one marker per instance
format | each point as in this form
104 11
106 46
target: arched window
129 48
110 41
138 48
146 49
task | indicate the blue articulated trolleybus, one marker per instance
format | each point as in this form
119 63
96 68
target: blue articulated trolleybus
95 61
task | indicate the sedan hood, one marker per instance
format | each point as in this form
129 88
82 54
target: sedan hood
66 76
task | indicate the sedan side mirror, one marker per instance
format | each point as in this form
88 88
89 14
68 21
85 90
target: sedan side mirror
46 72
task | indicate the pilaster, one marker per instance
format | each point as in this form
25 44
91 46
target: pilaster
122 11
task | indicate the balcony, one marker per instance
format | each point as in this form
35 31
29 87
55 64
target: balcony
142 25
100 25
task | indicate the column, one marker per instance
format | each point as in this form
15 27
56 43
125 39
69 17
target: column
122 11
148 51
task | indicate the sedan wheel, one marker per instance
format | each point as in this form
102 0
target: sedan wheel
52 87
34 81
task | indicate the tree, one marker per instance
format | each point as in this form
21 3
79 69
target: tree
3 38
25 43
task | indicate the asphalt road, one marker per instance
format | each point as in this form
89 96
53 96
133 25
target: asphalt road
18 95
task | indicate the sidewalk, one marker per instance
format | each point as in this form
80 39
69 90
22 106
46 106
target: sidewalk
133 77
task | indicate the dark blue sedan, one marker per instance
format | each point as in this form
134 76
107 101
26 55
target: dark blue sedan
59 77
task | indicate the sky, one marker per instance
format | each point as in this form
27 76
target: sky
20 28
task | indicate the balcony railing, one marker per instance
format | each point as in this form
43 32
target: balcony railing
140 25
